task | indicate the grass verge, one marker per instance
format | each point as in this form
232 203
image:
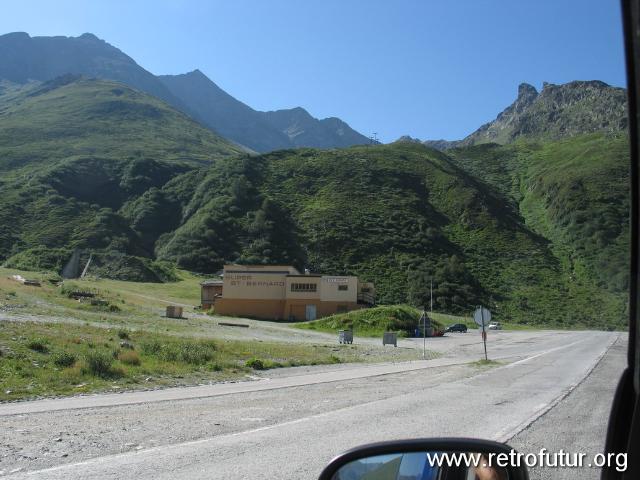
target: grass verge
50 359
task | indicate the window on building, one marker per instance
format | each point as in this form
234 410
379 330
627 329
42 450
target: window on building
304 287
343 287
341 309
365 290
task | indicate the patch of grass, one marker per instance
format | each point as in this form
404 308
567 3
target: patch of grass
38 345
64 359
486 363
191 352
129 357
165 360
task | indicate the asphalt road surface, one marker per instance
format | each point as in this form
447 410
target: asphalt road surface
551 389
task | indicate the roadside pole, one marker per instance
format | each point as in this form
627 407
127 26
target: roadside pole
482 316
484 334
424 333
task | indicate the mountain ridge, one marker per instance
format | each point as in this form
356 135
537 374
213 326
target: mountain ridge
43 58
556 112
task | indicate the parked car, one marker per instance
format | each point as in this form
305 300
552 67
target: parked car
457 327
494 326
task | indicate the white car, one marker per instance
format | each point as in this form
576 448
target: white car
494 326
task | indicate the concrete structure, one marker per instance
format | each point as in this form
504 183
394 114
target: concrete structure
280 292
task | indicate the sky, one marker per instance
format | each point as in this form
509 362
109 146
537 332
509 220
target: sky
425 68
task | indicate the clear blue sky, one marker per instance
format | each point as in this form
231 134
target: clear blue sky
429 69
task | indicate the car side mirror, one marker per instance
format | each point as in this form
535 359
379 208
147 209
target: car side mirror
428 459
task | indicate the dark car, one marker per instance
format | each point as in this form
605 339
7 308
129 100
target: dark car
457 327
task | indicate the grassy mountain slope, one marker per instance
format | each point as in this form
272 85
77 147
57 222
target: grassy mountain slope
398 215
71 117
535 230
575 193
74 151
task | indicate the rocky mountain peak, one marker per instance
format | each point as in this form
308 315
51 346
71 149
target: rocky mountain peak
557 111
526 90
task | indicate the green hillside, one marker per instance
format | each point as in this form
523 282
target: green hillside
399 215
574 192
535 231
73 152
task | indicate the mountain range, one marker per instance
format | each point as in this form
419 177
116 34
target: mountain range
26 58
528 215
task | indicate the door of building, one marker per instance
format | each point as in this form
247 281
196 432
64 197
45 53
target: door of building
310 312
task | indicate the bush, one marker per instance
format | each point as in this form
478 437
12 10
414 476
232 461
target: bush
129 357
38 345
123 334
255 363
151 348
195 353
64 359
99 363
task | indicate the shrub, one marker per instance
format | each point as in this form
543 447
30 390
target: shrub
129 357
38 345
255 363
64 359
99 363
195 353
151 348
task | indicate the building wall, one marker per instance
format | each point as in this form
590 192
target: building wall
264 309
288 269
330 291
305 279
264 291
250 285
295 309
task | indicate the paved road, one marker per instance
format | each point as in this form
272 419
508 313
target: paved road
292 430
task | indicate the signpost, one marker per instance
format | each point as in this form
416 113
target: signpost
426 323
482 317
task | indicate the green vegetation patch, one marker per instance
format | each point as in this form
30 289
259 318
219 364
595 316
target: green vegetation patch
40 359
373 322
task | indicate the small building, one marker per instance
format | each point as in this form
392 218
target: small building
210 290
281 292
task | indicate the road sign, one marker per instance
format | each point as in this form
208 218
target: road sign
482 317
482 314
